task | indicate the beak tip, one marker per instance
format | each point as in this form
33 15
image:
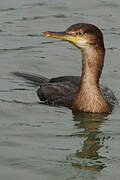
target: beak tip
46 34
58 35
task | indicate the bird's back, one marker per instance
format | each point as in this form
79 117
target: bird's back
62 90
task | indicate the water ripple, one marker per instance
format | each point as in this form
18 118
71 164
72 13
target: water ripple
19 48
7 9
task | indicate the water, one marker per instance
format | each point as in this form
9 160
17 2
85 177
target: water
44 142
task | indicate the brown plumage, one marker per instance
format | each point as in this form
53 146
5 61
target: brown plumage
81 94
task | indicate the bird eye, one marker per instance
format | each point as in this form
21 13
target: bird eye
79 33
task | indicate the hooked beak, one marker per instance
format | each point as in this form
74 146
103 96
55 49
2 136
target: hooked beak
64 36
58 35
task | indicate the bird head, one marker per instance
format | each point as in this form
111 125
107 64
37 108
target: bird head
81 35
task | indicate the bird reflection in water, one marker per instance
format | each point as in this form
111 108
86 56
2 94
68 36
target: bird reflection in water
89 125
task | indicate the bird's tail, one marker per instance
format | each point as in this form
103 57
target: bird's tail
33 78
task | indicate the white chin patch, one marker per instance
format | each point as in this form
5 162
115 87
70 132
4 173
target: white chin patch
81 43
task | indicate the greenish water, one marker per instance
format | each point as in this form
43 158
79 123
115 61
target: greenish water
42 142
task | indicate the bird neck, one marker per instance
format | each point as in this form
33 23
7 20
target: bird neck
92 64
89 97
